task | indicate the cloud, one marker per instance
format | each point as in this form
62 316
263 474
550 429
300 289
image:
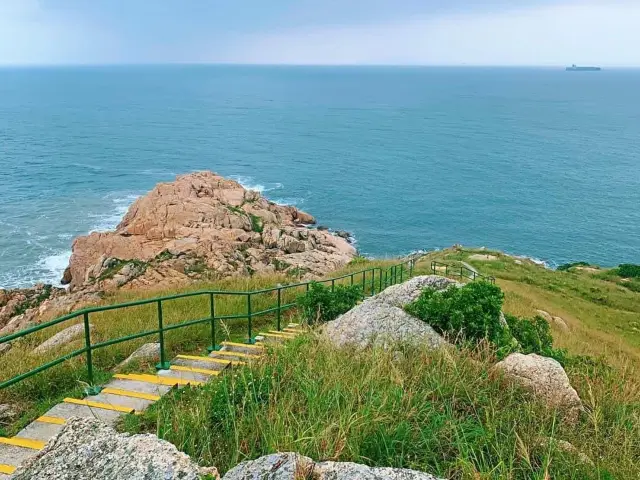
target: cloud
547 35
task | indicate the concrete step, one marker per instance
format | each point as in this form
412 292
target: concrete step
192 378
170 380
137 386
117 400
235 356
243 348
98 403
69 410
40 431
13 455
206 363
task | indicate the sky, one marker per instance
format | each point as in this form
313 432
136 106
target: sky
334 32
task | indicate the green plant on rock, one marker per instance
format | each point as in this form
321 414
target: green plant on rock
322 304
256 224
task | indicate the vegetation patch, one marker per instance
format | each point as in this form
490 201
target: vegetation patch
438 412
322 303
628 270
33 302
567 266
256 223
472 314
280 265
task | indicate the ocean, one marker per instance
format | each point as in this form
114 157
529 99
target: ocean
538 162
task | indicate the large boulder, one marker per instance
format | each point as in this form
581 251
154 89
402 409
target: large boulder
202 226
381 320
292 466
545 378
86 449
61 338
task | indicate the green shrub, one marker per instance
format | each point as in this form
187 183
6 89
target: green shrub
256 224
534 336
628 270
322 304
633 285
469 313
566 266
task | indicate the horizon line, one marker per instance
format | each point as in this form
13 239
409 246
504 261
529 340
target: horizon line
346 65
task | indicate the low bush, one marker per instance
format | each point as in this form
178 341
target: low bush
629 270
472 314
469 313
322 304
566 266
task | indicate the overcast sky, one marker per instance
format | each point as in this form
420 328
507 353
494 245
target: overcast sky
431 32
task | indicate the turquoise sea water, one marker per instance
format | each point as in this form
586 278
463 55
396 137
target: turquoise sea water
538 162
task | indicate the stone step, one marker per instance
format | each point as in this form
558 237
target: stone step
188 377
23 442
69 410
13 456
292 330
138 386
98 402
266 336
159 379
6 471
118 402
131 393
238 356
243 348
41 431
201 364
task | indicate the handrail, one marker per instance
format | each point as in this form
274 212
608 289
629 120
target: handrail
460 271
378 278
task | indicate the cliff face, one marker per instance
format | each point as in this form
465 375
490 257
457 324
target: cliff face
203 226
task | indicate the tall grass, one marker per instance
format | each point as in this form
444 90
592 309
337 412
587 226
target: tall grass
440 412
34 395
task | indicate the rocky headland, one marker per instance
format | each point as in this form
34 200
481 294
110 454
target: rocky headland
200 227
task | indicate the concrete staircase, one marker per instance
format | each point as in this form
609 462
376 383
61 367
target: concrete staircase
132 393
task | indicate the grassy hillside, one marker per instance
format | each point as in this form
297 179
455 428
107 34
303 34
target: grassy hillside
603 315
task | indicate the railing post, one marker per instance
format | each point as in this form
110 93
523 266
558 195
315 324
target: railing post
401 271
352 279
333 285
364 285
446 269
433 267
212 311
373 282
380 280
91 389
250 340
474 276
163 365
411 268
279 314
461 272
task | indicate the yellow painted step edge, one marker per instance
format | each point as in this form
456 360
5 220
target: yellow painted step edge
131 393
180 368
210 359
8 469
54 420
283 332
235 354
292 330
157 379
23 442
104 406
243 345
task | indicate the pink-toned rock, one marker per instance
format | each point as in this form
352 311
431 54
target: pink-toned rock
211 221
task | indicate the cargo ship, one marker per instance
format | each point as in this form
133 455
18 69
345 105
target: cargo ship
575 68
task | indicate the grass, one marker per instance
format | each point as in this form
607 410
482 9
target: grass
33 396
439 412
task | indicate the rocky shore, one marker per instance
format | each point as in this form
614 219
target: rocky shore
200 227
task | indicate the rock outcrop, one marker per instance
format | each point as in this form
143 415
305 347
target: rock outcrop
87 449
61 338
199 227
292 466
203 226
22 307
545 378
381 320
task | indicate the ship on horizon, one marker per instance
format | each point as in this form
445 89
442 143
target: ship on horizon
576 68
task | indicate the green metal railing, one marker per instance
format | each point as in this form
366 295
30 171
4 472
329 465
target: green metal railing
459 271
374 280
